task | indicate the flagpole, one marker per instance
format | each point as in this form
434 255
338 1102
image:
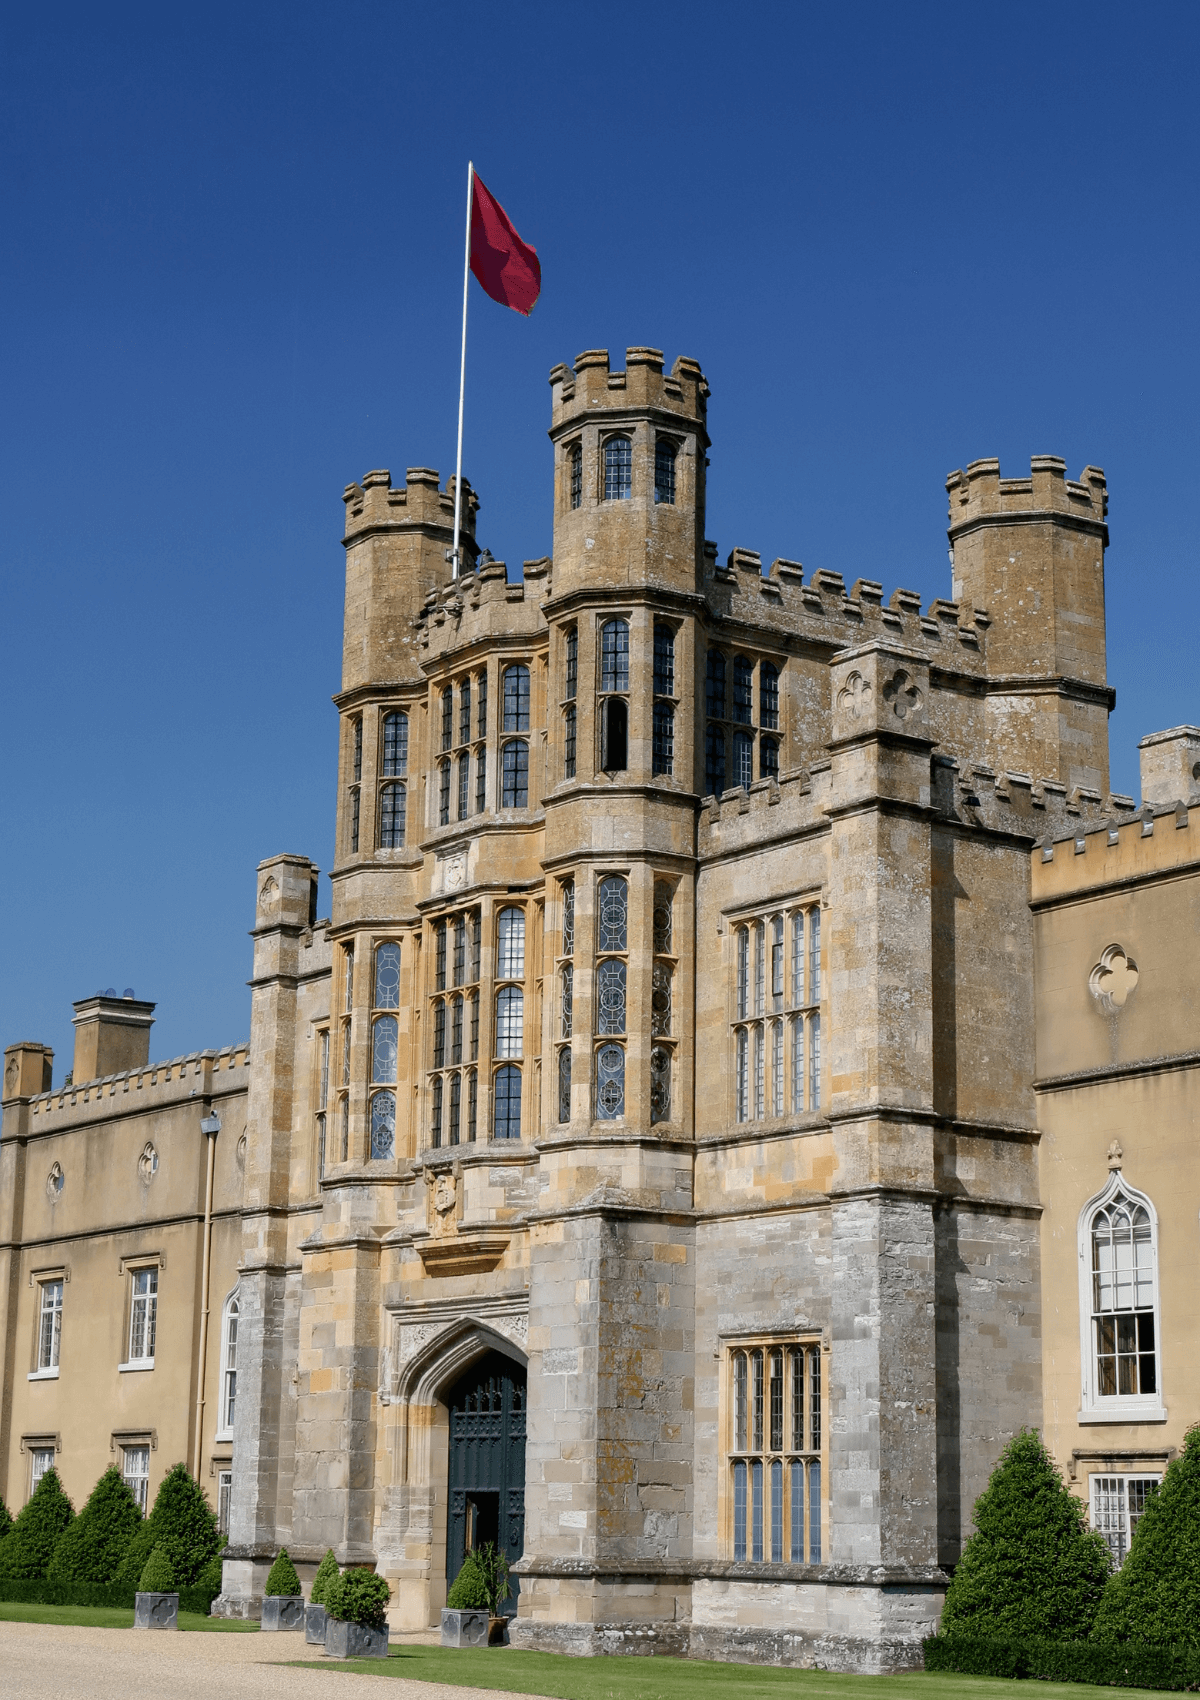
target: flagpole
462 376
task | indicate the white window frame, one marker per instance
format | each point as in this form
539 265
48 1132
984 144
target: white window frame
1104 1481
46 1453
40 1371
224 1431
224 1496
142 1449
134 1270
1095 1407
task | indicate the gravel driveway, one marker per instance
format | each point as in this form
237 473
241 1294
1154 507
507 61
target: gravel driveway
40 1661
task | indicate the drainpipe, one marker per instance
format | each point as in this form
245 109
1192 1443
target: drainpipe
210 1127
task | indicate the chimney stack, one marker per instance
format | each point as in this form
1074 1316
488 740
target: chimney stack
112 1034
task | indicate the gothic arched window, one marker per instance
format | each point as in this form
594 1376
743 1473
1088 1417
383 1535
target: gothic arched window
228 1393
392 809
618 469
1119 1322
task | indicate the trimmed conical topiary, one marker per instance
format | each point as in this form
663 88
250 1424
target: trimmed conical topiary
158 1577
26 1550
1154 1599
328 1572
1031 1570
210 1577
283 1579
93 1547
182 1523
469 1590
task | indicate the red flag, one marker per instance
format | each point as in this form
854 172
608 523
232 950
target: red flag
507 268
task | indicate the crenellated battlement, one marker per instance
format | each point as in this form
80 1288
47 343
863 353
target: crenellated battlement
483 606
980 495
421 503
224 1070
592 386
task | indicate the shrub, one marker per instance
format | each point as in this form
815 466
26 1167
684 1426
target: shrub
1104 1664
6 1521
93 1546
327 1573
28 1547
1154 1599
210 1577
1031 1570
283 1578
469 1589
358 1596
182 1523
158 1577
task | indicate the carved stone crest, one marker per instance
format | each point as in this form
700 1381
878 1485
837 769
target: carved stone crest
454 873
443 1199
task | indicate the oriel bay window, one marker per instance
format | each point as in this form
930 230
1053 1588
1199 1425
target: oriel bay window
773 1399
612 940
776 1039
454 1028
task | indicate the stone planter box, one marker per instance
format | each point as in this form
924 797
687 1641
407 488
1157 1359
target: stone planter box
283 1611
464 1628
314 1625
156 1611
354 1640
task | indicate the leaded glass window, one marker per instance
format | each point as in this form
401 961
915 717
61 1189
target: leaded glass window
515 778
474 1026
439 1034
384 1042
814 956
768 758
777 963
439 955
444 794
464 711
759 1063
664 660
569 741
355 818
456 1030
660 1084
447 717
743 690
510 1019
510 961
481 728
775 1465
814 1062
567 999
610 1083
714 761
618 469
575 454
714 685
460 949
507 1123
743 973
387 976
662 918
610 1003
798 958
480 780
741 1075
572 667
664 470
472 1103
768 696
743 760
392 811
614 656
664 739
660 1001
464 785
395 745
356 759
516 699
777 1105
435 1111
568 920
564 1084
455 1107
383 1126
613 917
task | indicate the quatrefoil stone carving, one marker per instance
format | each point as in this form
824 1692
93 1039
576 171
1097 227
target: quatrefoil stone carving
902 695
855 696
1113 978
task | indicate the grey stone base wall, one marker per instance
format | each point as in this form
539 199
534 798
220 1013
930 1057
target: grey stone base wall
242 1583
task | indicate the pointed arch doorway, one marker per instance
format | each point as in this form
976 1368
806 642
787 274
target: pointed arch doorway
487 1408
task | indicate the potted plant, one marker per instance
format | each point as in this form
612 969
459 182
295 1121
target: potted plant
314 1611
355 1616
156 1605
283 1597
471 1616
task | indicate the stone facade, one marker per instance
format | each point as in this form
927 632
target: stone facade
673 1061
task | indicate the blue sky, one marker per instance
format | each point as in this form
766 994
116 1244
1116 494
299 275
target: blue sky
897 238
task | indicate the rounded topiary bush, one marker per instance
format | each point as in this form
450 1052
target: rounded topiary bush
359 1596
328 1572
1154 1599
469 1590
26 1550
158 1577
93 1546
1031 1570
182 1523
283 1579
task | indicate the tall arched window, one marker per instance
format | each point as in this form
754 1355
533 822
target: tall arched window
444 794
575 458
392 811
614 655
1119 1323
395 745
768 696
612 943
447 717
507 1120
228 1393
618 469
510 1020
664 470
743 760
387 976
383 1126
510 936
514 775
384 1041
464 785
516 699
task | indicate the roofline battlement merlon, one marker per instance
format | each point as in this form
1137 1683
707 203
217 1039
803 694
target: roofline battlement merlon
980 496
421 505
592 387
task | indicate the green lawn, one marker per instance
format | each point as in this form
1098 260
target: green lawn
107 1617
690 1679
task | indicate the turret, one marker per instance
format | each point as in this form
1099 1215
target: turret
629 460
1030 551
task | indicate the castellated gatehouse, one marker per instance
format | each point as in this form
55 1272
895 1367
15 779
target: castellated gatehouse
643 1165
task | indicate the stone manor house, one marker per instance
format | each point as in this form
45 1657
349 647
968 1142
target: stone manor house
745 1077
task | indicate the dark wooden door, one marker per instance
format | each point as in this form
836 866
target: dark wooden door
487 1464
